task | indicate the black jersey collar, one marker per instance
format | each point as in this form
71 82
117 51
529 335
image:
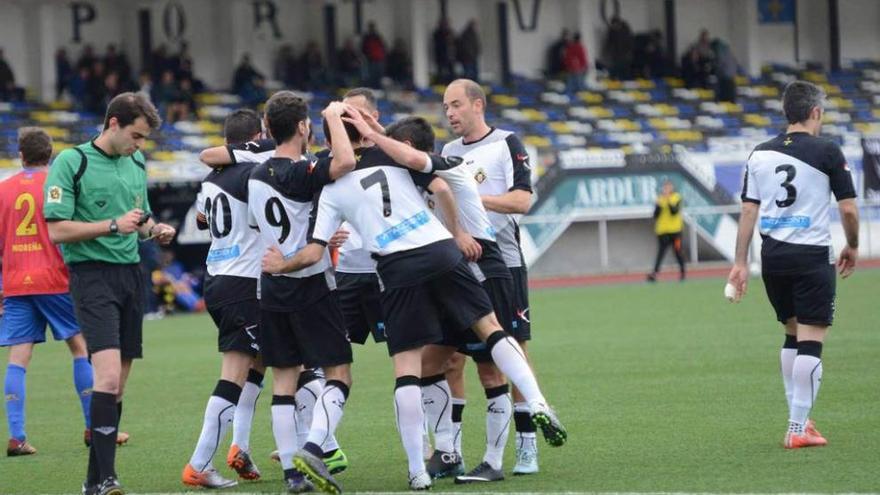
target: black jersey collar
491 130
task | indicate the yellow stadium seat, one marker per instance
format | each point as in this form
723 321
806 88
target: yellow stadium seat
590 98
756 120
505 100
683 136
8 163
209 127
537 141
560 127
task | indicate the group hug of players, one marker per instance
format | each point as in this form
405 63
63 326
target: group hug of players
428 261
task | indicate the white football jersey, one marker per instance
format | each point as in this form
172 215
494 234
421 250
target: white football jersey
251 151
498 163
471 213
236 249
792 178
280 193
353 256
379 198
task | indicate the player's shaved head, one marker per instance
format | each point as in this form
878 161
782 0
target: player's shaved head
416 130
472 90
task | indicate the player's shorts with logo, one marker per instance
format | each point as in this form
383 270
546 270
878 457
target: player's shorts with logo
444 286
238 326
309 331
25 319
109 303
359 300
500 292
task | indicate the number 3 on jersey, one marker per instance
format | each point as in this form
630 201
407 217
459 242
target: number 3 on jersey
790 173
26 227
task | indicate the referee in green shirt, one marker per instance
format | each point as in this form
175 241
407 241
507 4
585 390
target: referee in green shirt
96 207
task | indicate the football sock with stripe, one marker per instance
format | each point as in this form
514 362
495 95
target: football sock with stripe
499 410
457 412
218 417
244 410
328 412
511 360
806 376
525 429
437 402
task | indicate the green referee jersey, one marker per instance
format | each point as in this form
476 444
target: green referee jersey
108 187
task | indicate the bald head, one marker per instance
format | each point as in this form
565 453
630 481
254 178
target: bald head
465 105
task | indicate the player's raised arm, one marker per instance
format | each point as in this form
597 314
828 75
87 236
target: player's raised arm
343 160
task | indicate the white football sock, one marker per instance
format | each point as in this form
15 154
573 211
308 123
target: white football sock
786 364
244 415
410 424
807 376
509 358
284 430
218 416
328 412
499 411
436 398
306 397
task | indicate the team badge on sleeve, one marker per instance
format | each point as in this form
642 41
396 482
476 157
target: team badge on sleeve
54 194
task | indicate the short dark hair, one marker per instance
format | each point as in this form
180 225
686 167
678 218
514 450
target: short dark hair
353 134
35 146
284 111
127 107
367 93
241 125
799 99
416 130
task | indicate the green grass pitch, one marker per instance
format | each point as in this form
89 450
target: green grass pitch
664 388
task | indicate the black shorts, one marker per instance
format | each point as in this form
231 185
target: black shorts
359 295
238 326
412 314
522 325
108 299
313 336
807 295
501 293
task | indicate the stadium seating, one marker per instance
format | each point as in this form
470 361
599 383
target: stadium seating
630 115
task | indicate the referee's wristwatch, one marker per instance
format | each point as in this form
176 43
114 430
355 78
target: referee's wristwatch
114 228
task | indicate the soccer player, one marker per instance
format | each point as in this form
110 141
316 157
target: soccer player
503 177
300 319
475 237
787 185
230 290
96 205
424 274
35 282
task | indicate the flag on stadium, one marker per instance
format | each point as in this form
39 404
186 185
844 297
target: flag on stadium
776 11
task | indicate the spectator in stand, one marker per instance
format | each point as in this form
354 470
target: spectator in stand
94 101
86 58
63 72
159 62
146 88
400 65
350 64
373 48
8 90
245 76
725 72
118 63
619 49
78 87
180 61
112 87
285 67
698 63
467 50
312 63
575 64
556 55
171 100
444 51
